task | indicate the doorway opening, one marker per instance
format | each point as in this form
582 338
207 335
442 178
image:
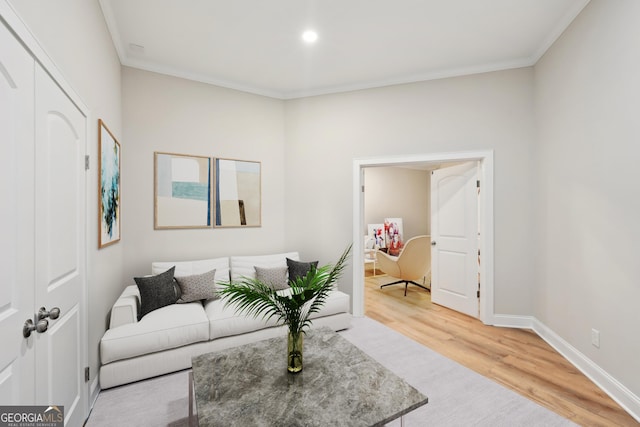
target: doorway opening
432 161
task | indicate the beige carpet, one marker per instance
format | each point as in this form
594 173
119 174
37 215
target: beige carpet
457 395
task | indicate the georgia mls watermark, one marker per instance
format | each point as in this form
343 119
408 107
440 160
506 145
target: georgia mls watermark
32 416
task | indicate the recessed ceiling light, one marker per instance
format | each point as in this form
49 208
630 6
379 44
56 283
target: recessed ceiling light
309 36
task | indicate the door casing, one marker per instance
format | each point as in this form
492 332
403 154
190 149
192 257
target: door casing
485 159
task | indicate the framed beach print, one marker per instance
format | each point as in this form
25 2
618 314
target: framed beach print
238 193
109 187
182 188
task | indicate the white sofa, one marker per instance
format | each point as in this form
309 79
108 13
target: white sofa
166 339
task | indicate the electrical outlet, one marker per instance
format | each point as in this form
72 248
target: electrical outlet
595 338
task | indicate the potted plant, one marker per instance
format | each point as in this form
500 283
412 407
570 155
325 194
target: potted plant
292 306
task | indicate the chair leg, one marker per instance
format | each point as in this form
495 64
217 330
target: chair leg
420 286
406 285
394 283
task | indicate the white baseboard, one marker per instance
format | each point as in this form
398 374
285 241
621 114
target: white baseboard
618 392
94 390
512 321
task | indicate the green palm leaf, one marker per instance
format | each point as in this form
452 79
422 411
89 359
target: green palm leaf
292 307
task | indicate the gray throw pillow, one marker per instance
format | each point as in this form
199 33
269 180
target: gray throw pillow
197 287
274 277
156 291
299 269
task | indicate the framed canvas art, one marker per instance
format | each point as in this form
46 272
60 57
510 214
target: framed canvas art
109 187
182 191
376 232
238 188
393 235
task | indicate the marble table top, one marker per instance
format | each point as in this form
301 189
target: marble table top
339 385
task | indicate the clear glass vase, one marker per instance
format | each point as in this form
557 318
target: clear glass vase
294 352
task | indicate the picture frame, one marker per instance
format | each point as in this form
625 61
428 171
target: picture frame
393 235
238 193
108 187
182 191
377 233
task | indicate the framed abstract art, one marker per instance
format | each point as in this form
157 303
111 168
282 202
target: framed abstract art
238 193
182 191
109 187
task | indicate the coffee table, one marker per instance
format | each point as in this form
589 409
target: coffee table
339 385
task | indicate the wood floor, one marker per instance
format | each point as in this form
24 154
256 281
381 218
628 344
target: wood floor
516 358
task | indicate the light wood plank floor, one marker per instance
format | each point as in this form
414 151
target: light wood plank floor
516 358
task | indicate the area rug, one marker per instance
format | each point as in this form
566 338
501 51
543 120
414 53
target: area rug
457 395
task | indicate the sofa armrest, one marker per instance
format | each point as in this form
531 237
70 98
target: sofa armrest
125 309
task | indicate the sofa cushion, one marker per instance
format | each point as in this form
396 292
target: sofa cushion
336 302
244 266
275 277
169 327
299 269
197 287
189 268
224 321
156 291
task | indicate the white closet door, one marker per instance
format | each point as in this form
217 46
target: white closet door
60 247
16 221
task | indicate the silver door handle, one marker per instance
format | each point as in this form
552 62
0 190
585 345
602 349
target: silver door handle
40 327
54 313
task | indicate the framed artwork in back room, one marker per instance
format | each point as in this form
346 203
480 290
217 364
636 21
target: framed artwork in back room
108 187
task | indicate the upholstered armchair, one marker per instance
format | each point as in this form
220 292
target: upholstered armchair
413 263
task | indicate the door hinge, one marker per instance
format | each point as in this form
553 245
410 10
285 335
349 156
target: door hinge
478 293
86 162
478 183
87 377
363 188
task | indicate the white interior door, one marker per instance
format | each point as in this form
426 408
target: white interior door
454 236
60 248
16 220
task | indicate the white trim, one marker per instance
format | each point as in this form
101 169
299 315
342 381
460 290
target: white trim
617 391
486 227
603 380
94 391
560 27
512 321
32 44
436 74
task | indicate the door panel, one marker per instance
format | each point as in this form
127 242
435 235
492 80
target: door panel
454 231
64 362
60 233
452 272
16 220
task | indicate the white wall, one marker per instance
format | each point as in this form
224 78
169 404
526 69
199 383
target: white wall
75 36
398 192
480 112
588 205
173 115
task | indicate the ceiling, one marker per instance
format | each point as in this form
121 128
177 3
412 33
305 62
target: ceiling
256 45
